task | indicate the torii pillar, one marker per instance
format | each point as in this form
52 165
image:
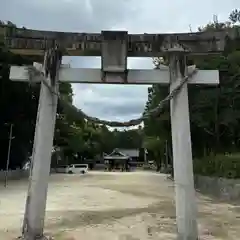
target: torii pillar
35 208
186 207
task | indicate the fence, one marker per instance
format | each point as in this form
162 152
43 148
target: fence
223 189
14 174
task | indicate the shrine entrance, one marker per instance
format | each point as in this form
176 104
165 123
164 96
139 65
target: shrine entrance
114 47
117 160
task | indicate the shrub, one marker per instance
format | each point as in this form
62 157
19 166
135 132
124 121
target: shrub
226 166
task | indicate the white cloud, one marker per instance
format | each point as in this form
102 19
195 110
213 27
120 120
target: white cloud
113 102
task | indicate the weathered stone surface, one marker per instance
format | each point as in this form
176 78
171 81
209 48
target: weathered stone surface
34 42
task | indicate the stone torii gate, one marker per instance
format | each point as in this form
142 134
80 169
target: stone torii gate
114 47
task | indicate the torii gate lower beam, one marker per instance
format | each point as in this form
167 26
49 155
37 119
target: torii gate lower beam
182 154
135 76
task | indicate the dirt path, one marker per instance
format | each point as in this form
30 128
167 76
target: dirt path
121 206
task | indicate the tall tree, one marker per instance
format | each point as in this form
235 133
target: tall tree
214 111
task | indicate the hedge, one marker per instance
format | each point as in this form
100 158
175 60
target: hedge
226 166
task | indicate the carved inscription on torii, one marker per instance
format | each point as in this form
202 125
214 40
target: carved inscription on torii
34 42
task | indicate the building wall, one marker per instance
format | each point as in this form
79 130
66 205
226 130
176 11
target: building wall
135 159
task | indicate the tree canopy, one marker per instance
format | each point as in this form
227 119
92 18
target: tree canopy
214 111
73 135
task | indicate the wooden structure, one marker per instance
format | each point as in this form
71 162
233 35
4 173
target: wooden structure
117 160
132 153
114 47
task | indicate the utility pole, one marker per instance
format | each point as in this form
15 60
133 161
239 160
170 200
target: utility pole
166 156
8 156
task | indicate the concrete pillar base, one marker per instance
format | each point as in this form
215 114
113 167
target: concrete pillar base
45 237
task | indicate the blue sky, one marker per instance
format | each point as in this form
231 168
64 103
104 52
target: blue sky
113 102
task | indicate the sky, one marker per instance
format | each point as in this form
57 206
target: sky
113 102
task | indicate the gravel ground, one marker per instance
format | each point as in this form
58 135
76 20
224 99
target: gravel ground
116 206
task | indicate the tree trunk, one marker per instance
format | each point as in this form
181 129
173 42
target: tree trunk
158 162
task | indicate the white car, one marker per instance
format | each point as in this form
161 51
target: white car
77 168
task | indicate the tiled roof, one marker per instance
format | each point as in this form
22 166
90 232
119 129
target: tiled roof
130 152
124 153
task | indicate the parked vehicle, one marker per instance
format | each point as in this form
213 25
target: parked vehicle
77 168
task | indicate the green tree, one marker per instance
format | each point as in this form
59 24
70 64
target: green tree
214 111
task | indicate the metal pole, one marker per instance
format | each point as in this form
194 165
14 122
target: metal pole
166 155
8 156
